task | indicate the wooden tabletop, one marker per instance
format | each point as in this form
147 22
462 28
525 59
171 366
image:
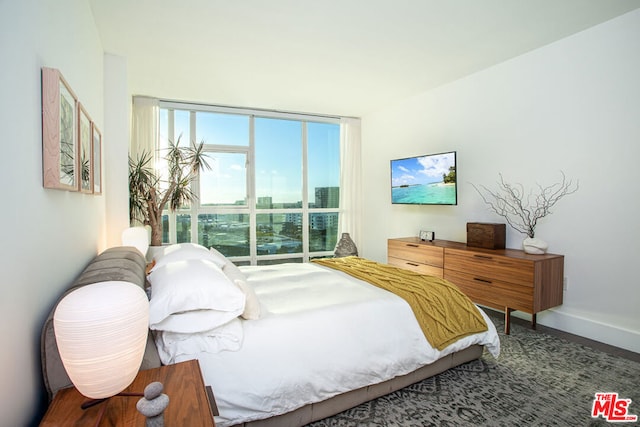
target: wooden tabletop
183 383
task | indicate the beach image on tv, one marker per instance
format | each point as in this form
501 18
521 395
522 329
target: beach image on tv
424 180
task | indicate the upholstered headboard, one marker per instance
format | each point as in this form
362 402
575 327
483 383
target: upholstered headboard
122 263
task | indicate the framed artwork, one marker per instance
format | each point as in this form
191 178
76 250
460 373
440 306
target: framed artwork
427 235
85 143
96 150
59 133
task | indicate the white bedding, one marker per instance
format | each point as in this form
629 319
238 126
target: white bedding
321 333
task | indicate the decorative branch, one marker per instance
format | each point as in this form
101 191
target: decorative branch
522 210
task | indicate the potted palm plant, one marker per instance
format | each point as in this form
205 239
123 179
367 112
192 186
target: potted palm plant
152 191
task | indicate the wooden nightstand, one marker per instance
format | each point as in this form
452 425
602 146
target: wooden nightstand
189 404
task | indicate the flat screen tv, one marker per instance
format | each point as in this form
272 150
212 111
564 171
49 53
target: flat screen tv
425 180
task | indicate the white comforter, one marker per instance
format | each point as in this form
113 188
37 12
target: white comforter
321 333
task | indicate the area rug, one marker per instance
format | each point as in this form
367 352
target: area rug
539 379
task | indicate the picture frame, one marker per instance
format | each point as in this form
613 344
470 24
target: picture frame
426 235
96 150
59 132
85 156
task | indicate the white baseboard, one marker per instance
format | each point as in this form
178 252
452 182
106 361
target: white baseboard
588 328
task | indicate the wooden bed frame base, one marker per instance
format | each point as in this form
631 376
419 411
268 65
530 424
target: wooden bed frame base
342 402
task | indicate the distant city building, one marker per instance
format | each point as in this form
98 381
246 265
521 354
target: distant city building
265 202
327 197
294 218
323 221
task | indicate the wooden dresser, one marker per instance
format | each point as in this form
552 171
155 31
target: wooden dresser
504 279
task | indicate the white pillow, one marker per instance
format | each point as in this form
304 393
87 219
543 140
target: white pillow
173 347
218 255
186 251
169 249
191 296
194 322
252 303
232 271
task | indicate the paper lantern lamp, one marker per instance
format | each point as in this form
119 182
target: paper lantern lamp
101 331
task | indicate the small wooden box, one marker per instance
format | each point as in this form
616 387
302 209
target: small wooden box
486 235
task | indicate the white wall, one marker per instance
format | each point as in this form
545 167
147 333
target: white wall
47 235
573 106
117 113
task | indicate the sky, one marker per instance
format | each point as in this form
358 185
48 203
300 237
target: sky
421 170
278 155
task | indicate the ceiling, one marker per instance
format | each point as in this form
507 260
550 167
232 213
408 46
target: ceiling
336 57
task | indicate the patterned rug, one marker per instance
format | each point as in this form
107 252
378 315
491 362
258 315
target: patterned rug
538 380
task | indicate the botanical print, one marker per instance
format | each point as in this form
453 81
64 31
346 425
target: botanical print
97 160
67 140
85 151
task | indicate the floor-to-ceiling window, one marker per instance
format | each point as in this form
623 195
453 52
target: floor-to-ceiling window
272 194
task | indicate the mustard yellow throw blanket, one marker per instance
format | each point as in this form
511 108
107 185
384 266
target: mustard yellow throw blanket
444 313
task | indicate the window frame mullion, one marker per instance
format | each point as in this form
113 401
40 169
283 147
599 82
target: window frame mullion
305 194
252 199
195 184
251 207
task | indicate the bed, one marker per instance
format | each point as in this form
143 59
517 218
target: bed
288 344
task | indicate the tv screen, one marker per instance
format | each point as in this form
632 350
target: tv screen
424 180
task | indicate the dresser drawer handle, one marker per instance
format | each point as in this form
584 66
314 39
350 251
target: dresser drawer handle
412 264
483 256
412 245
477 279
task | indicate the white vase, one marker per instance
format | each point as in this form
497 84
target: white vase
534 246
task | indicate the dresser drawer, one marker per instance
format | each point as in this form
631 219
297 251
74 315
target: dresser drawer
491 292
417 253
417 267
490 266
505 279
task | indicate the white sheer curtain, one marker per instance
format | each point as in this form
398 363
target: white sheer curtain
144 127
350 180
